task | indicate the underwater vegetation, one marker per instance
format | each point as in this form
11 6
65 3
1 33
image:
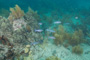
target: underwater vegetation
62 37
23 35
16 13
53 58
77 50
34 14
77 37
74 38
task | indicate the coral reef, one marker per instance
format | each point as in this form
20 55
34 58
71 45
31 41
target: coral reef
18 24
29 57
77 50
27 48
28 53
19 33
5 41
31 20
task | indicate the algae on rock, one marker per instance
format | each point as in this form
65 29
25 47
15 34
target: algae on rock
53 58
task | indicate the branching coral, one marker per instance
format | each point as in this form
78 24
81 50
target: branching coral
16 13
77 49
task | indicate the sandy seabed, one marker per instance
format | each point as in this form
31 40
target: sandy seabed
61 52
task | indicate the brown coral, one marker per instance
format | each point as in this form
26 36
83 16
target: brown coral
76 38
53 58
77 49
61 35
16 13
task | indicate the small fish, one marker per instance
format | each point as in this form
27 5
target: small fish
38 42
51 37
57 22
50 30
38 30
76 17
34 43
40 23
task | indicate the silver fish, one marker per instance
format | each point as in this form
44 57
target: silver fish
57 22
34 43
38 42
76 17
51 37
38 30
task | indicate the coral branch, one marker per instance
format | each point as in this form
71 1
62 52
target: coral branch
16 13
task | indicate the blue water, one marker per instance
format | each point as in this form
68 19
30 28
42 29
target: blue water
46 4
